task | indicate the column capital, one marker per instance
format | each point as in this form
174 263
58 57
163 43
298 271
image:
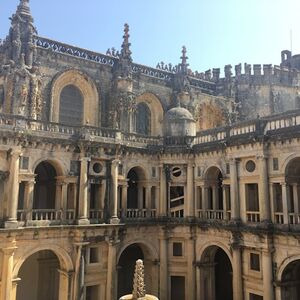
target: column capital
85 159
261 157
9 250
14 153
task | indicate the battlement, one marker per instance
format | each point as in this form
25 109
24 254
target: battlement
257 73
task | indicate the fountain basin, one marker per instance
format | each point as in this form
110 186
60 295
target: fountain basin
147 297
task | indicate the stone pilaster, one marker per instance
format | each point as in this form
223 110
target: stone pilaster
263 190
234 192
13 193
83 192
114 192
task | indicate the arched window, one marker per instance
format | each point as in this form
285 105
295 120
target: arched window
71 106
143 119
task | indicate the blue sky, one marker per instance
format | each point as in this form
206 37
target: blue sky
215 32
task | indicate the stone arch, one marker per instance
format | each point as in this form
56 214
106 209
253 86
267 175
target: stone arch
288 279
216 282
284 264
208 172
62 255
287 161
157 112
221 245
213 180
126 258
88 89
136 195
59 166
145 245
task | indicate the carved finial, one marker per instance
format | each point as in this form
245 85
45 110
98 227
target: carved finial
125 52
183 67
139 291
23 7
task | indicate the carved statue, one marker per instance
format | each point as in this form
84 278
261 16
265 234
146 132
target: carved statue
23 98
35 87
16 42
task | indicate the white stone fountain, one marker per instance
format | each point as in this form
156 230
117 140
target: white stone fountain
139 292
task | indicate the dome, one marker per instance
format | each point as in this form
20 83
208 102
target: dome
179 122
179 113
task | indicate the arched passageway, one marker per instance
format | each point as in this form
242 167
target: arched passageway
292 191
126 265
214 180
290 281
45 186
136 189
39 277
216 275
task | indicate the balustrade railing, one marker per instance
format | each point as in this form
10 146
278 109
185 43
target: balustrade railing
278 218
294 218
96 214
69 214
46 215
253 216
211 214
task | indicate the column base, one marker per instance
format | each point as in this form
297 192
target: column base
11 224
83 222
235 222
114 221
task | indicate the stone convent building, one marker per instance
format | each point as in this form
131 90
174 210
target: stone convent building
104 161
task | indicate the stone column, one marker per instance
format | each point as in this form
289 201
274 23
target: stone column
189 199
64 198
263 190
225 208
296 199
163 193
83 192
191 274
237 278
285 206
267 274
157 193
114 192
124 200
272 200
215 196
7 272
64 285
28 198
140 196
163 269
111 272
234 192
148 199
13 192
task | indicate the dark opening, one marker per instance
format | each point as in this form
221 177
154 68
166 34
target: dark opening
71 106
223 276
45 186
177 249
132 191
143 119
290 282
177 288
252 197
126 267
39 277
254 262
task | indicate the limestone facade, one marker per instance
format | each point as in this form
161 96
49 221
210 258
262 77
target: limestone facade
104 161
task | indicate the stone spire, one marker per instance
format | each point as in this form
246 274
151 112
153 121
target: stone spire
139 292
23 10
183 67
125 51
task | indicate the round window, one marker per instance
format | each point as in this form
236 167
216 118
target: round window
250 166
97 168
176 172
